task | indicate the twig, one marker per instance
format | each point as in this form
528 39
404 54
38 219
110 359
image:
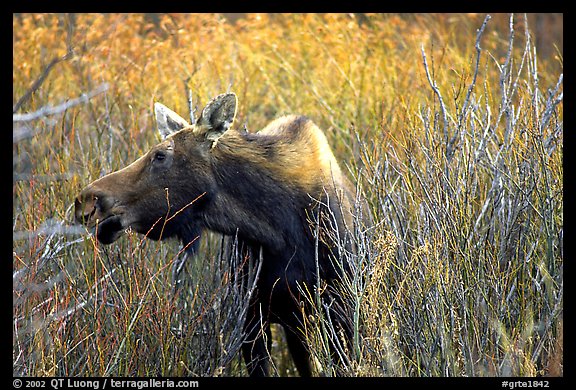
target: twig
551 103
437 92
191 106
478 52
40 80
52 110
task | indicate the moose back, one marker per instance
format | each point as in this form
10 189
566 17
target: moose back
275 189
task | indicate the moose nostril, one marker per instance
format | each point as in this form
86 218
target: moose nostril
85 208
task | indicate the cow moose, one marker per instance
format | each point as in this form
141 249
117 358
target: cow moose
274 190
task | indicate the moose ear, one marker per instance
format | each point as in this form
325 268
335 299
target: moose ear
168 121
218 115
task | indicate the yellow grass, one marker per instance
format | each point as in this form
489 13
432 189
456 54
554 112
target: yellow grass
462 273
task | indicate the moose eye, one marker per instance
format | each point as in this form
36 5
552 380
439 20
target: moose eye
159 156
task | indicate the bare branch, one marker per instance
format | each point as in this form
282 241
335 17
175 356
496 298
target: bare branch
478 51
553 100
40 80
437 92
52 110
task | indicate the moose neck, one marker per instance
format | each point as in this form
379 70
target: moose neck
252 202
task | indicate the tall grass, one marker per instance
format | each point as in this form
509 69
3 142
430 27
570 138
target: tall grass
460 281
451 126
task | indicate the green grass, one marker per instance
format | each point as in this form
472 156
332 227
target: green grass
451 126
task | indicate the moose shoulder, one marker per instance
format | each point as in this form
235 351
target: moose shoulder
270 188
